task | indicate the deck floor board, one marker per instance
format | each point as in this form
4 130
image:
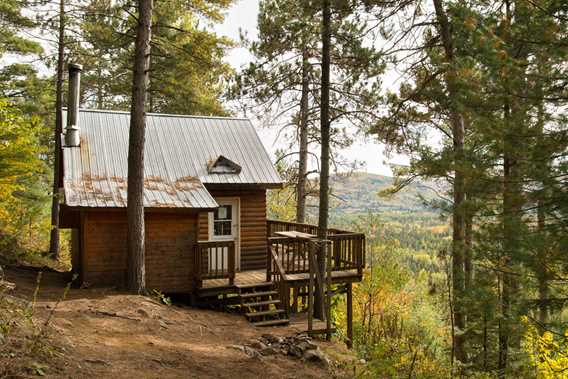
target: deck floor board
259 276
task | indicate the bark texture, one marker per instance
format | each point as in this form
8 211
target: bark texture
303 134
135 206
324 158
458 132
54 234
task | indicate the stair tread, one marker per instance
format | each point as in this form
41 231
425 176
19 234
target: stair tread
272 322
257 303
265 313
256 294
253 285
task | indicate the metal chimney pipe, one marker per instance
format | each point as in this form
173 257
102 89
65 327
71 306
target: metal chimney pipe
72 137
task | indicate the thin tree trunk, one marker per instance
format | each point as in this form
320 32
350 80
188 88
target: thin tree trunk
468 259
514 117
135 206
303 159
458 237
324 159
541 266
100 91
54 235
511 241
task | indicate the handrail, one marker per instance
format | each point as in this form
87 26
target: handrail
278 264
277 274
296 226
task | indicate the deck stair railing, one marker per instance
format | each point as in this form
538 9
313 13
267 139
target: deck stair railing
277 275
214 260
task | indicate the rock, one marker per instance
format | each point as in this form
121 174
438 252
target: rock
142 312
251 352
258 345
317 356
306 345
295 351
362 361
269 350
236 347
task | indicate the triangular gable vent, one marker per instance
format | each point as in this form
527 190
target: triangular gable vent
223 165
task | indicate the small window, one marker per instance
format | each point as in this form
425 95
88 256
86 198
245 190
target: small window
223 221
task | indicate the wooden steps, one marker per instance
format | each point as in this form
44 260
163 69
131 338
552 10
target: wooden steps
261 304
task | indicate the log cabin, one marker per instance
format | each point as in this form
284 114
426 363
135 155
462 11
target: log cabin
206 227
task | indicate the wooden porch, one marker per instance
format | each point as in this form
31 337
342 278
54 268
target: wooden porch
292 279
215 260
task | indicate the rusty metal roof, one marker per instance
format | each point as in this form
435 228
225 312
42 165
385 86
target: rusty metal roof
177 153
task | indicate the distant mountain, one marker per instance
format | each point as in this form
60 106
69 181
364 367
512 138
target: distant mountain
360 193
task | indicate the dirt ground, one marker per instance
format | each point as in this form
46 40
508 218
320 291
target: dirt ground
105 333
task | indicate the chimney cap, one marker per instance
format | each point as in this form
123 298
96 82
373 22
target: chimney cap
74 67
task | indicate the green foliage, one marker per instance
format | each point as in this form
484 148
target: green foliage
187 62
158 295
23 177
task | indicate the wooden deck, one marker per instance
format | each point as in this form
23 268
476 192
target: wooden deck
247 278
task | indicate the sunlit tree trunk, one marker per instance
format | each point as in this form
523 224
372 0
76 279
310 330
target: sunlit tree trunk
324 159
458 132
54 235
135 206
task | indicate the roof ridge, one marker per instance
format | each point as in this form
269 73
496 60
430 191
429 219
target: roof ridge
162 114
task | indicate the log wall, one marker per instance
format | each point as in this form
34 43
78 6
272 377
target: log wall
170 238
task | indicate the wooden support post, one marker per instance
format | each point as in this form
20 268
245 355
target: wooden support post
328 254
268 261
232 260
349 315
311 288
319 276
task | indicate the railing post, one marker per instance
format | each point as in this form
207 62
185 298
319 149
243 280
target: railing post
197 266
232 252
268 261
361 255
311 288
328 254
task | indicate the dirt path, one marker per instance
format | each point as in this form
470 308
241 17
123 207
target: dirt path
103 333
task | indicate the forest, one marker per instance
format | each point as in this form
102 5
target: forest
466 245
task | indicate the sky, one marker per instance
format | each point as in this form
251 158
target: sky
242 16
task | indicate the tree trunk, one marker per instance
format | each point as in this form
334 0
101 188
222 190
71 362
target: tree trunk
135 206
303 159
468 259
458 236
324 159
542 261
54 234
514 118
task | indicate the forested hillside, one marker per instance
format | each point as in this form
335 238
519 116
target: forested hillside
363 192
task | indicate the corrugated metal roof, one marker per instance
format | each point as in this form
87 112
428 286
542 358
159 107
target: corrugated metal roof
177 152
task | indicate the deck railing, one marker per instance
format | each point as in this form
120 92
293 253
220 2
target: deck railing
214 260
289 226
347 248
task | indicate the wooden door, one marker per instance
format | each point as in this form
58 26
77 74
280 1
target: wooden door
224 226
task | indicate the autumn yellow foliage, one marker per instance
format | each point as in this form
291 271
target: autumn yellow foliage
548 353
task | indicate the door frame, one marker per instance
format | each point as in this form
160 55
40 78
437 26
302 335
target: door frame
236 213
